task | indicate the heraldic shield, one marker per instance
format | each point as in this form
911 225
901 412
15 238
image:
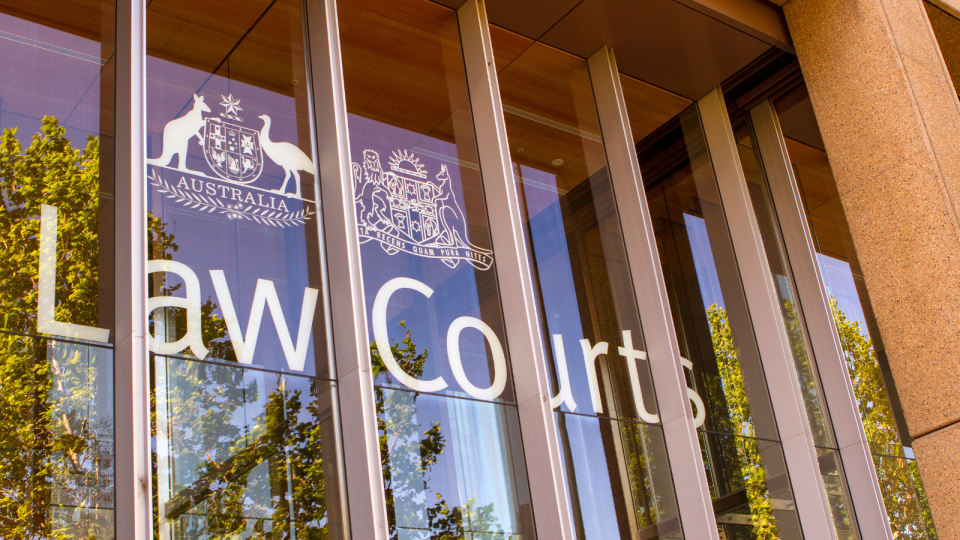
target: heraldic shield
232 151
413 209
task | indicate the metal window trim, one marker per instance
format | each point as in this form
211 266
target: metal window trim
132 467
683 447
796 436
548 489
357 403
844 411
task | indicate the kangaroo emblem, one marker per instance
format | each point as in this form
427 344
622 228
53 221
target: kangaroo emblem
177 134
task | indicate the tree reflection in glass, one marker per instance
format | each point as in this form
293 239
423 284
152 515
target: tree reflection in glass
447 418
900 485
56 441
239 450
853 315
745 466
408 456
741 452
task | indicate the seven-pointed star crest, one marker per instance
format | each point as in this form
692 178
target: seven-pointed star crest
232 105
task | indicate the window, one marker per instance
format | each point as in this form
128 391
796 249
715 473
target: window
856 324
56 267
243 390
446 409
745 465
606 411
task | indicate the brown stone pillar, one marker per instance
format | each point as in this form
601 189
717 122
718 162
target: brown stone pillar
890 120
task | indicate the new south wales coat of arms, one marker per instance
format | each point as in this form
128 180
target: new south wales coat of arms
404 210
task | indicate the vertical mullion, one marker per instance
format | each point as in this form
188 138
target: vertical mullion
540 442
835 379
776 355
132 466
361 447
676 415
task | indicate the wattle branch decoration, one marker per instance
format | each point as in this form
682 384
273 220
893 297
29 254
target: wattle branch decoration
252 212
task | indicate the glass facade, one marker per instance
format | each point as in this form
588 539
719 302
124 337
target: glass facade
446 410
56 276
738 433
274 129
606 412
828 451
243 392
855 321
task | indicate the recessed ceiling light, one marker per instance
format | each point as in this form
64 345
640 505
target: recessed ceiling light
557 162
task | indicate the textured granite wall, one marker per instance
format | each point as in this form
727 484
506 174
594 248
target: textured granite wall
890 120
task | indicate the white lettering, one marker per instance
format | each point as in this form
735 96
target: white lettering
379 315
565 395
47 297
194 335
456 365
590 355
632 355
265 295
701 415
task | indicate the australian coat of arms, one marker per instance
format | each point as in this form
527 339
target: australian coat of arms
235 154
406 211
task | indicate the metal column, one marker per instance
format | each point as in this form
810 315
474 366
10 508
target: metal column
358 415
676 415
540 443
132 468
835 379
796 436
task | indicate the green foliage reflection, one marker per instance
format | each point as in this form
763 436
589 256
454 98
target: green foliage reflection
408 456
56 441
909 516
245 446
741 452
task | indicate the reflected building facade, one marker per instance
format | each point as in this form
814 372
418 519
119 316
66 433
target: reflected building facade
418 270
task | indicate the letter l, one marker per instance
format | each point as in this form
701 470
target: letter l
47 301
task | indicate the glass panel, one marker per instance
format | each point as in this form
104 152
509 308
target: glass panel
592 330
448 471
242 452
790 310
714 329
834 481
245 433
634 491
57 470
750 488
56 269
451 450
859 336
783 281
